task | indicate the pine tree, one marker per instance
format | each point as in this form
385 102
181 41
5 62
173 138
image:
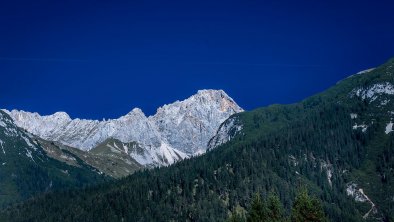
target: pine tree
257 211
235 217
307 209
275 208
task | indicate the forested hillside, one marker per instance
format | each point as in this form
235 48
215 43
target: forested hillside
26 169
338 144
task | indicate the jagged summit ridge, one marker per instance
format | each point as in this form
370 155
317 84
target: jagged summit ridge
189 125
183 127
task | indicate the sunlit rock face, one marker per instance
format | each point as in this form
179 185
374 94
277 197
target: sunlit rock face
176 131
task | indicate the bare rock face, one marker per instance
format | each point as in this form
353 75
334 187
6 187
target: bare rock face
189 125
176 131
228 130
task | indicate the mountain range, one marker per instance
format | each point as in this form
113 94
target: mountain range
113 148
26 169
178 130
339 144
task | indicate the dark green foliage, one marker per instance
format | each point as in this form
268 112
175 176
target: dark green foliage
235 217
307 209
275 209
269 210
258 211
281 148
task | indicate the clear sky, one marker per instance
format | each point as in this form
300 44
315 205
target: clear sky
99 60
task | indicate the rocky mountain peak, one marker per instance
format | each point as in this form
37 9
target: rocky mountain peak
189 124
220 97
61 115
180 129
134 113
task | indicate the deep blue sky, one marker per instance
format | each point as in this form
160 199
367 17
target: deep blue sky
100 59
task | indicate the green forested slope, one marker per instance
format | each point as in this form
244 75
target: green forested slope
26 170
330 143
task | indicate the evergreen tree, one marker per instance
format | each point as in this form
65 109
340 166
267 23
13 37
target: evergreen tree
258 210
236 217
306 208
275 208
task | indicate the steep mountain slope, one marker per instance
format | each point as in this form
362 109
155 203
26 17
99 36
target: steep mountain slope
188 125
367 100
26 170
338 143
176 131
104 158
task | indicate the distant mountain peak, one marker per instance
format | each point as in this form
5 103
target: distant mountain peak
188 125
211 92
220 97
135 112
181 127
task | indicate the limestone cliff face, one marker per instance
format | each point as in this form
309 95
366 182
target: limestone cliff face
176 131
